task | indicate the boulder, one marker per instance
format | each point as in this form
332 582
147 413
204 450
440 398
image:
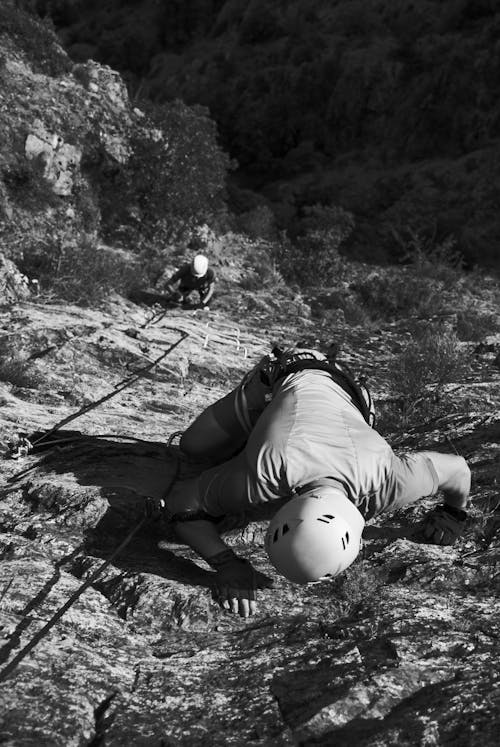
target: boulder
61 160
14 286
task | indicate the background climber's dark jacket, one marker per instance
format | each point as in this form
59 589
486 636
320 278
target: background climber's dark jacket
188 282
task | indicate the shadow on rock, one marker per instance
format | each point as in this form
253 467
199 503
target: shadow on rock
427 716
124 475
388 532
150 298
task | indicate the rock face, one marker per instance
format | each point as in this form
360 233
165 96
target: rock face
60 160
14 286
400 650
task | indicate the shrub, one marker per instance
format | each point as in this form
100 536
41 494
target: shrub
174 179
330 223
26 185
335 306
474 325
439 261
419 374
258 223
313 257
260 270
18 371
75 268
37 40
391 295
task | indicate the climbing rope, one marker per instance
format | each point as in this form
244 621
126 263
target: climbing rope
23 446
6 671
11 666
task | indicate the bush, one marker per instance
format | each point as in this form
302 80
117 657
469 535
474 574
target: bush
18 371
313 257
473 325
262 274
441 261
174 179
26 185
258 223
75 268
37 40
391 295
338 304
420 373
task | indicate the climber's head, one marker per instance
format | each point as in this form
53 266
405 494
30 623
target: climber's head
315 536
199 266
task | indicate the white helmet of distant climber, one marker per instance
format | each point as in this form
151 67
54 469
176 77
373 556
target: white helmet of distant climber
199 265
315 536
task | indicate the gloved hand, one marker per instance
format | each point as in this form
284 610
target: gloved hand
154 507
236 582
444 524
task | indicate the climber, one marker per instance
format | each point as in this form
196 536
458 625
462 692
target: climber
297 432
193 276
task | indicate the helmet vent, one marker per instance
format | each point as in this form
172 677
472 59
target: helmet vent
276 535
285 529
326 518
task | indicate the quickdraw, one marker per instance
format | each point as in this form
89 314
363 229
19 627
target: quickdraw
19 447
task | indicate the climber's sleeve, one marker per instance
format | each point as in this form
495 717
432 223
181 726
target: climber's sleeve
412 476
226 488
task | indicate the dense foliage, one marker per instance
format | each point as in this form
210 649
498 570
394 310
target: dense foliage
174 178
390 110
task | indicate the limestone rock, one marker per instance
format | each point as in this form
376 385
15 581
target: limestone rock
14 286
400 650
103 81
60 160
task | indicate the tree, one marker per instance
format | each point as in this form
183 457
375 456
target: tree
175 177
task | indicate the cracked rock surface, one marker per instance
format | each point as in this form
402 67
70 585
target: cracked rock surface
402 649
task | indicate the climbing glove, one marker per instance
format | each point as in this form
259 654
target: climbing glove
236 582
444 524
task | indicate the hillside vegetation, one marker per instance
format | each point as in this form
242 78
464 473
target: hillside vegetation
388 110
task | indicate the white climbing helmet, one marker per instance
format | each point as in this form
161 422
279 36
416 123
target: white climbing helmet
315 536
199 265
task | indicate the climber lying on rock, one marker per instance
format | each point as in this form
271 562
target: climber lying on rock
298 427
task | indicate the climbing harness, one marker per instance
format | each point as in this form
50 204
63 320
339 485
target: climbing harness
283 363
22 445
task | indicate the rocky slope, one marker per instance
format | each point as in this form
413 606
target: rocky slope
402 649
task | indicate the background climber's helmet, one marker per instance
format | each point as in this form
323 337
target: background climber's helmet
315 535
199 266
